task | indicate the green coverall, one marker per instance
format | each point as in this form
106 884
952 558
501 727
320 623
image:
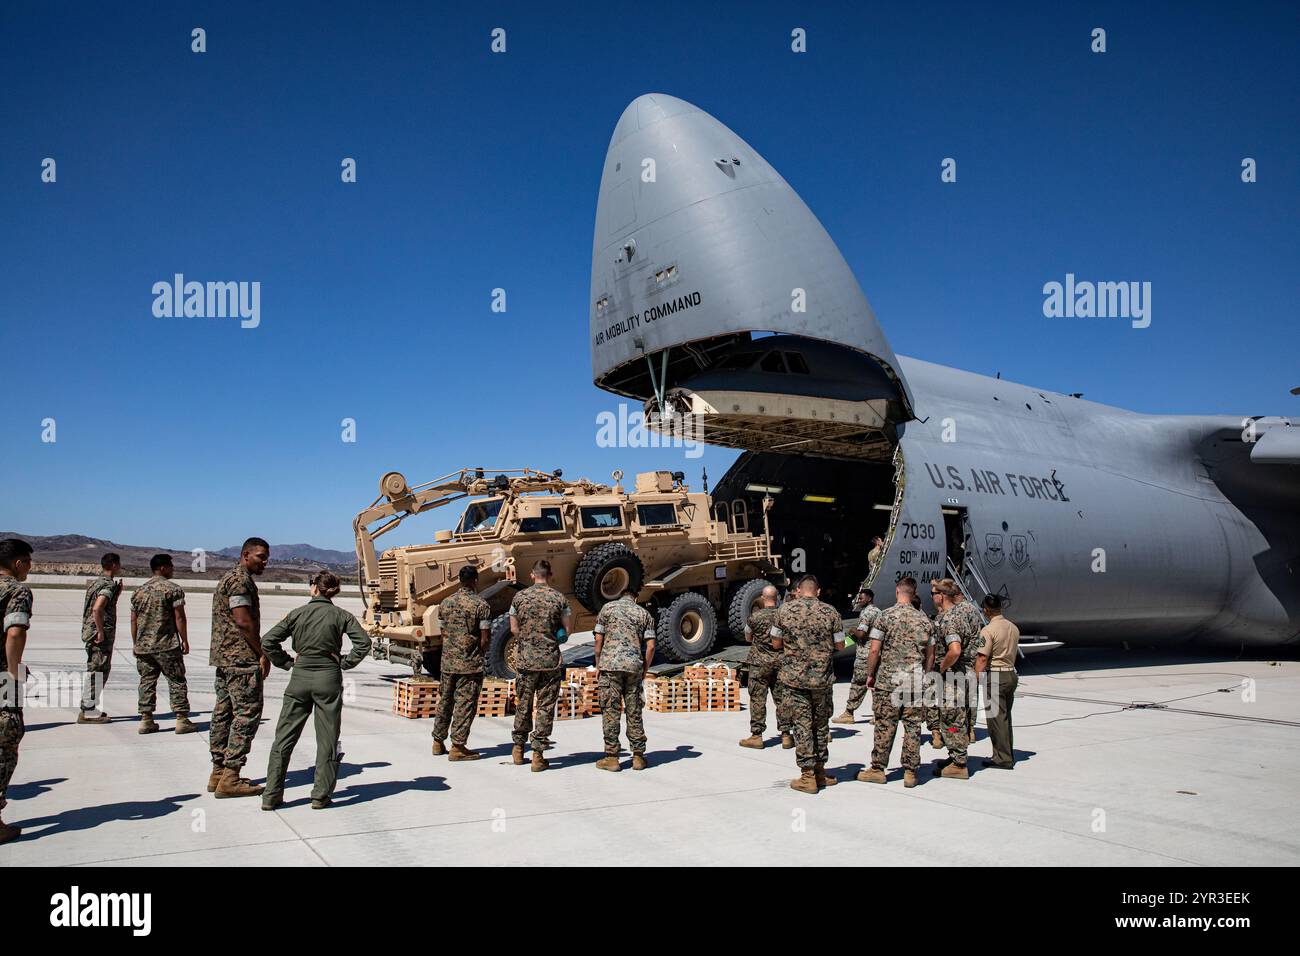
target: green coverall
316 684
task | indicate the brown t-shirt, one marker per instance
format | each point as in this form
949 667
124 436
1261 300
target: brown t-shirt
999 640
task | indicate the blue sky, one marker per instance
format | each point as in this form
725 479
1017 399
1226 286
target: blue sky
479 171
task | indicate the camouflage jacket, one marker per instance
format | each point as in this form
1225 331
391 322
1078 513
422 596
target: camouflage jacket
153 604
539 609
624 627
110 588
15 611
867 618
759 627
965 621
907 633
463 616
809 629
235 589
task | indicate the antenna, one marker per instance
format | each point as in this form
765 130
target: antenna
704 473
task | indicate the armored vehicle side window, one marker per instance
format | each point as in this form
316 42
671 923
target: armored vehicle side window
480 517
653 515
550 520
610 516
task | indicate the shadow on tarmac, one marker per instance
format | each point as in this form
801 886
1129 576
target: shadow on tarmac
87 818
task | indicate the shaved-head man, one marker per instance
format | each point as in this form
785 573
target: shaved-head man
763 664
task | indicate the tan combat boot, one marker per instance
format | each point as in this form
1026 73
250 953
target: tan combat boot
461 752
955 771
845 718
439 748
872 776
638 762
9 832
819 774
517 755
99 718
806 782
214 778
608 762
233 785
754 742
787 741
909 778
147 725
539 762
184 725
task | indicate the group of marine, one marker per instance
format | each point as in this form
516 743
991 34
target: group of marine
792 645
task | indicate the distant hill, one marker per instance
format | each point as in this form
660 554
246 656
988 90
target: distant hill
79 554
299 552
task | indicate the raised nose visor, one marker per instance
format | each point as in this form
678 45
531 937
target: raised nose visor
716 292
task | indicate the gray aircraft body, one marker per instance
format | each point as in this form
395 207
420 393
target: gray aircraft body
719 301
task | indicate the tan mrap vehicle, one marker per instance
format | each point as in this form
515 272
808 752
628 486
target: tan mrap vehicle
698 568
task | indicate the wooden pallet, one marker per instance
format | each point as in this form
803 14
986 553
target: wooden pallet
716 672
677 695
416 697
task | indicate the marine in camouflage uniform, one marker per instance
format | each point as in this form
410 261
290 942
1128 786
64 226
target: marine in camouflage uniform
238 708
465 618
809 632
861 659
625 631
962 621
763 665
905 634
157 644
15 611
99 654
539 613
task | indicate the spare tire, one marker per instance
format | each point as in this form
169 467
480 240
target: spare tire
605 572
745 599
500 658
686 630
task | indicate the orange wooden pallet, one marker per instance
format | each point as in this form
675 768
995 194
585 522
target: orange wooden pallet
416 697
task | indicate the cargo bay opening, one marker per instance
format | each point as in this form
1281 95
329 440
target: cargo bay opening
825 511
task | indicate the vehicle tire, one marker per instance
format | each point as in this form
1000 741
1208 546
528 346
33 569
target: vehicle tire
500 658
604 572
686 630
743 601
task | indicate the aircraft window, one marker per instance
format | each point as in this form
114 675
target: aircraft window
654 515
772 362
610 516
480 517
549 521
740 360
796 363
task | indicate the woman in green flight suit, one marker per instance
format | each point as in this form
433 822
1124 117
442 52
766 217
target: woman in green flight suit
316 685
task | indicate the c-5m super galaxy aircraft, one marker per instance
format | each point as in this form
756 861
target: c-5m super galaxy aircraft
716 293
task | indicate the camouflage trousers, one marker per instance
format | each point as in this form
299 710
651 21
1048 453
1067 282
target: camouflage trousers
762 680
810 719
170 664
858 688
235 716
457 706
954 714
539 689
886 714
620 692
11 733
99 661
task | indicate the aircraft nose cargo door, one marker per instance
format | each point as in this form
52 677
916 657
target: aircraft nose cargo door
702 254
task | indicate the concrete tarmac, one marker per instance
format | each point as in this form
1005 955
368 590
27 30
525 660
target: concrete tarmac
1209 778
